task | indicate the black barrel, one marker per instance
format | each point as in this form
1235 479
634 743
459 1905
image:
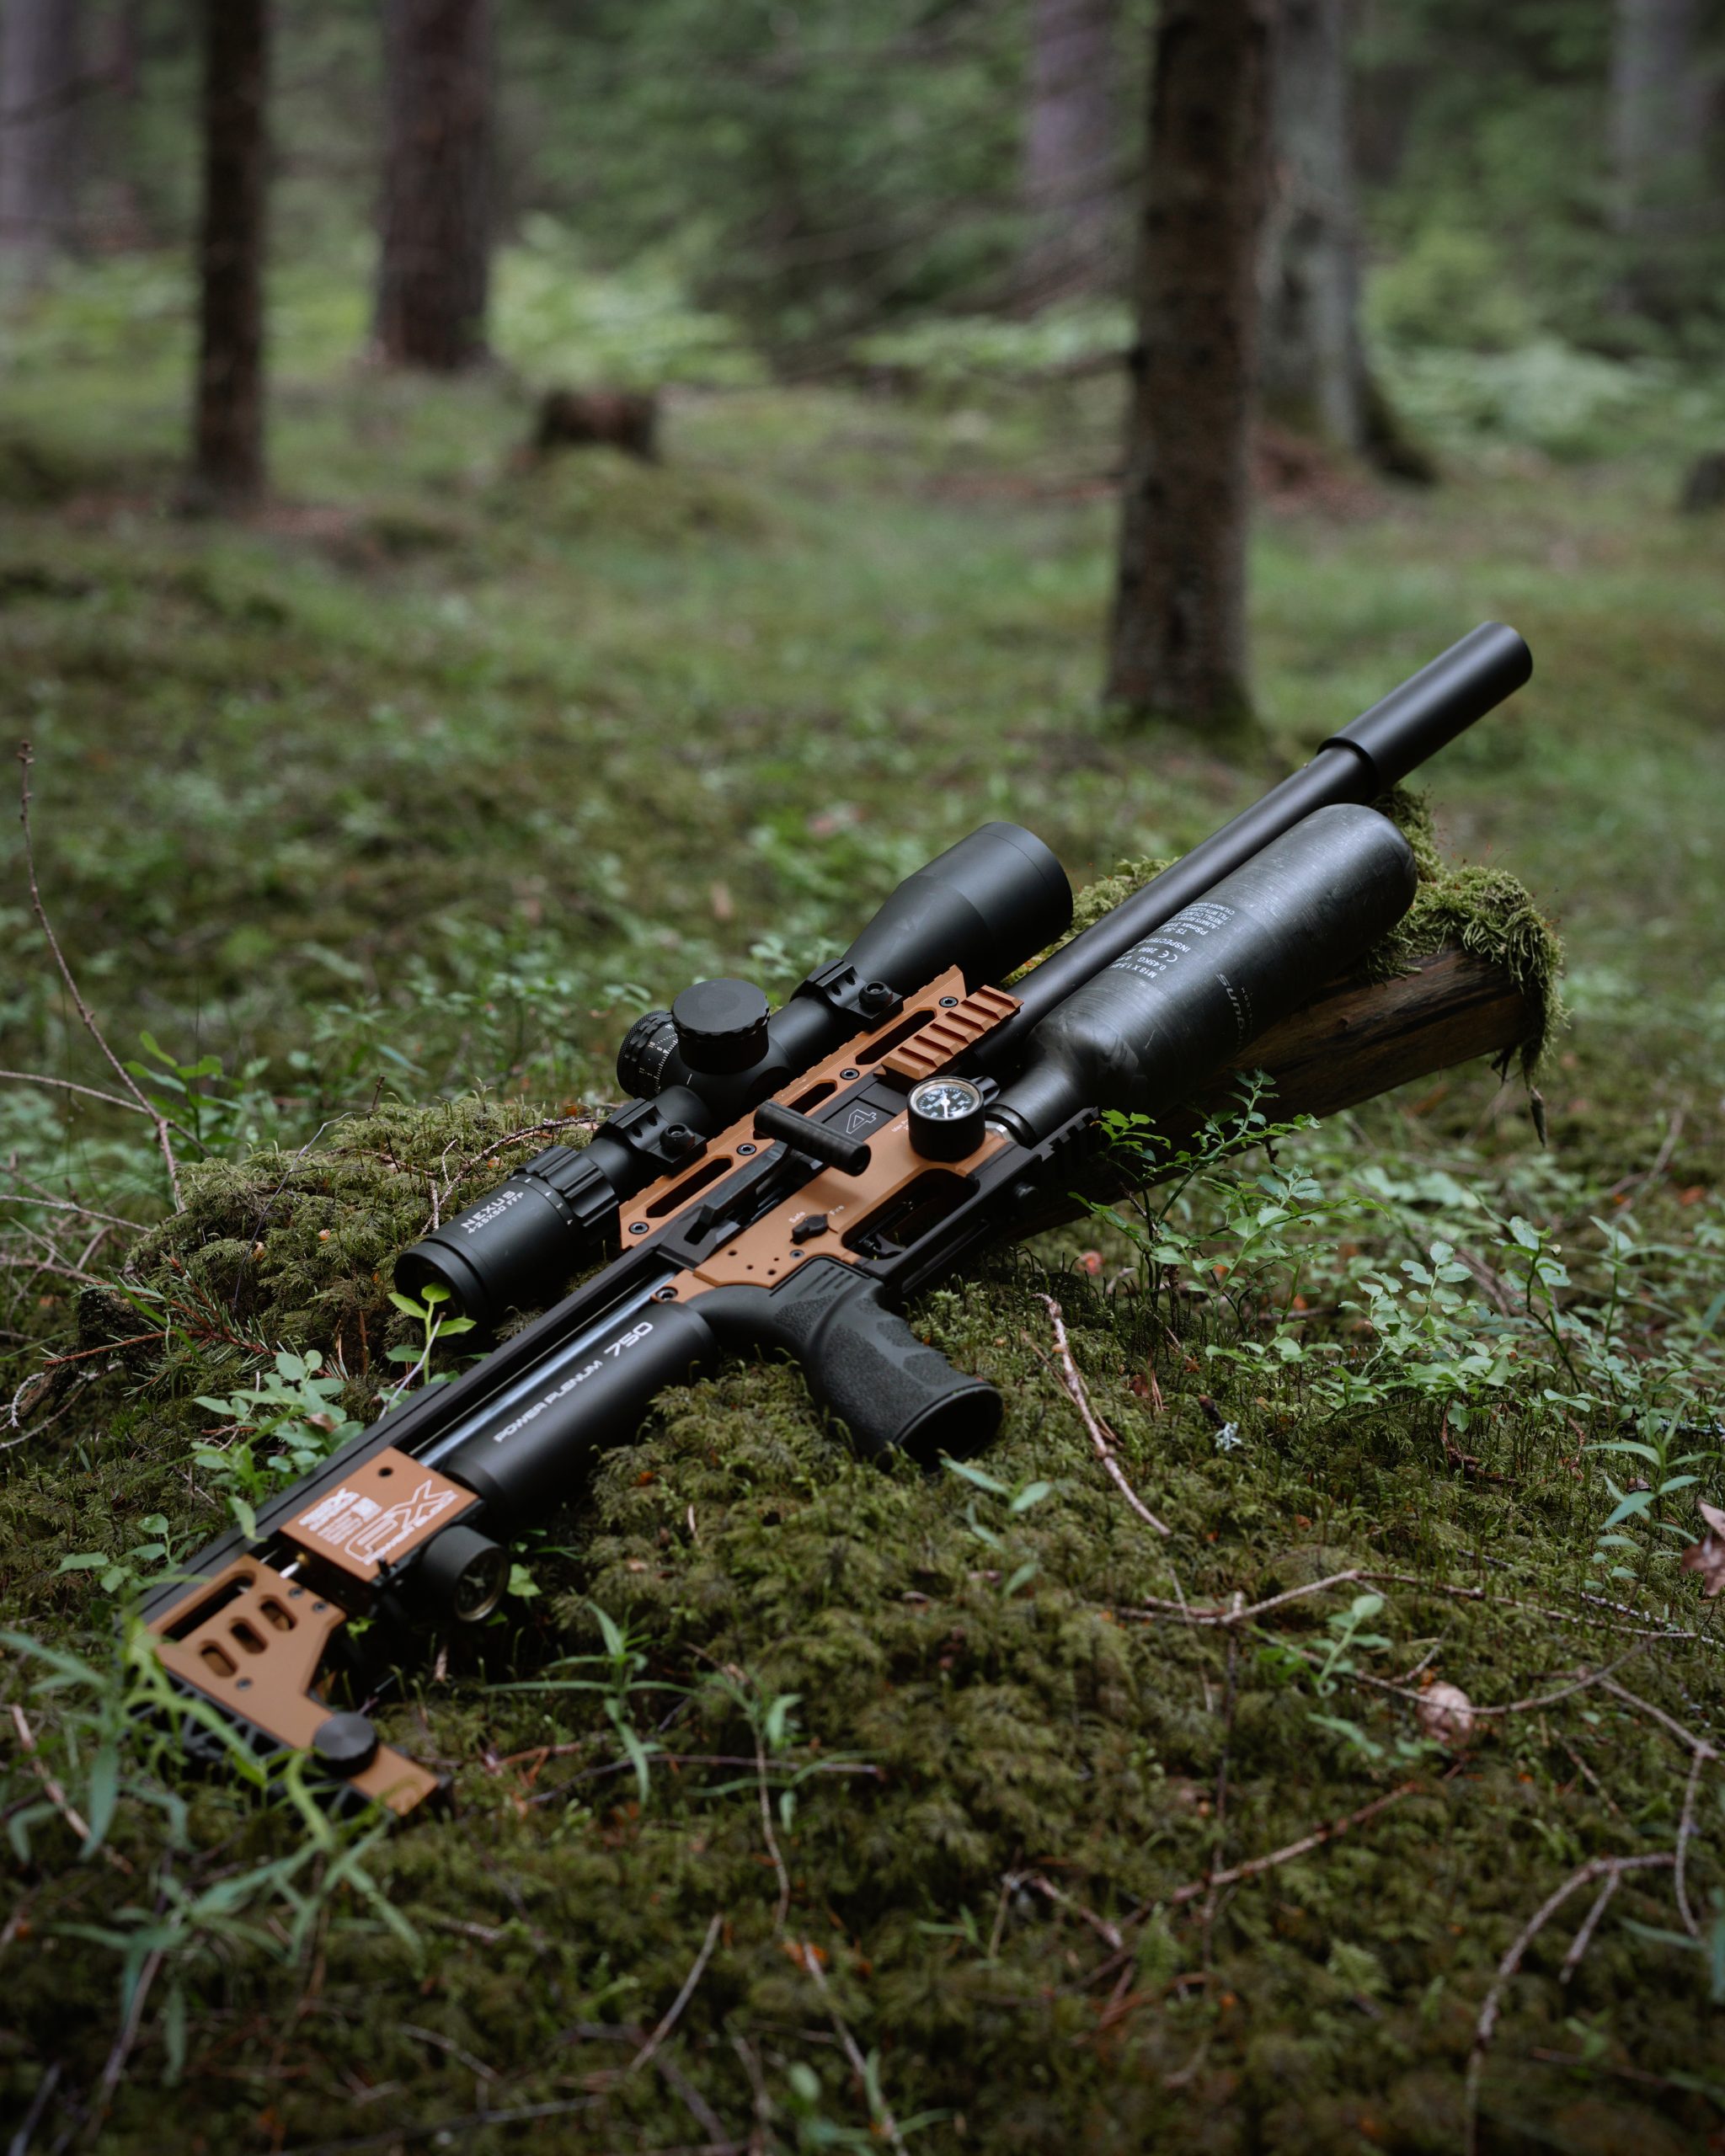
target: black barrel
1149 1028
1364 760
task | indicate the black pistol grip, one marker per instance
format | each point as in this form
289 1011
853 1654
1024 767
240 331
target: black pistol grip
862 1361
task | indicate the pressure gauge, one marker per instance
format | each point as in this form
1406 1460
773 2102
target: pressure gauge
947 1119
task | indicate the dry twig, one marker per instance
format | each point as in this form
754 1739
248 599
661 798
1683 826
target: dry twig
56 1795
1703 1753
1100 1434
683 1997
783 1909
1329 1832
1600 1867
884 2122
1109 1932
87 1017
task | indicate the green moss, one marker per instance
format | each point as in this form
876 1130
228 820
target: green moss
972 1769
333 789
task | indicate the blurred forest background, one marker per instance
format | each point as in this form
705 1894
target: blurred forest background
509 506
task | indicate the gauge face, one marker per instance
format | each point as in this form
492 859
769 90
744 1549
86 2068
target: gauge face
946 1100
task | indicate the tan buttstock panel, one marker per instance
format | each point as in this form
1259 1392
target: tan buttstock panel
257 1655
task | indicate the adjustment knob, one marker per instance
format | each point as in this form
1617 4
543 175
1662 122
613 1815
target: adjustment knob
344 1744
721 1026
947 1119
648 1046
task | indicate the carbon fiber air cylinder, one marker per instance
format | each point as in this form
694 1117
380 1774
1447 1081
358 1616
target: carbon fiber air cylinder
1148 1029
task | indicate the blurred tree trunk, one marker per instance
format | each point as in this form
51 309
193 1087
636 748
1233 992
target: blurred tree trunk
1314 374
1659 128
1177 647
1313 366
434 270
40 88
1071 147
227 470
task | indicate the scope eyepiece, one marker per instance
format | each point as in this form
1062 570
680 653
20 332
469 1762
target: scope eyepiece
518 1241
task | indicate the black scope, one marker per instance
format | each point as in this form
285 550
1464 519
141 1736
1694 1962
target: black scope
984 905
1147 1030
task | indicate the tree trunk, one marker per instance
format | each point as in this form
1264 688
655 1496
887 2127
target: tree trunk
1313 366
1314 377
1178 649
1071 162
1659 128
436 266
39 92
228 462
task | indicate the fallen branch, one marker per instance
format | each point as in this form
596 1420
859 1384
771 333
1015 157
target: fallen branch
1600 1867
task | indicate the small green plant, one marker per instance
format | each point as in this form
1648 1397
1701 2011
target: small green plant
114 1736
1018 1499
120 1575
1643 1502
427 1311
244 1116
1426 1340
1710 1945
280 1427
618 1679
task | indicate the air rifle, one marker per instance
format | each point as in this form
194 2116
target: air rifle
785 1181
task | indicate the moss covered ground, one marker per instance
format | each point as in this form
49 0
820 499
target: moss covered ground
801 1804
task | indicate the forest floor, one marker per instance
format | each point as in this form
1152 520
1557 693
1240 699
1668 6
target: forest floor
903 1813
